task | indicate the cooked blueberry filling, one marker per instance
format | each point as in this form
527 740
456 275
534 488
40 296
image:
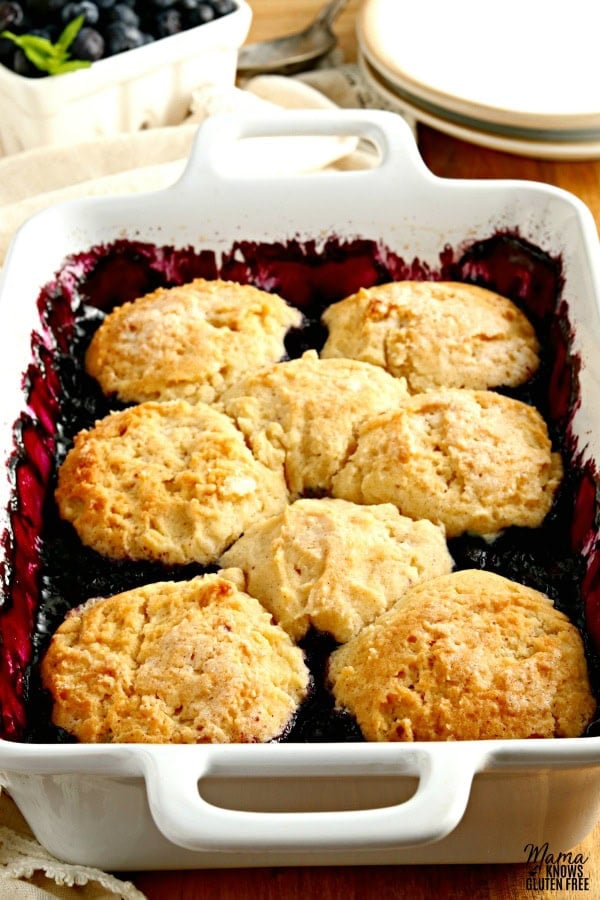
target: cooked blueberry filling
47 570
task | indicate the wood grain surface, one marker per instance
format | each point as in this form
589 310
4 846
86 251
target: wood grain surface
450 158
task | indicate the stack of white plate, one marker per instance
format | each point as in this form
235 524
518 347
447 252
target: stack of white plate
520 76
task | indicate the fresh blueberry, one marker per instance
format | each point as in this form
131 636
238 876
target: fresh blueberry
168 22
223 7
88 45
7 52
45 9
23 66
11 15
125 14
85 8
50 32
110 26
120 37
198 14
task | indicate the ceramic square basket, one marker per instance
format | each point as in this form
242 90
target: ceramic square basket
127 807
148 87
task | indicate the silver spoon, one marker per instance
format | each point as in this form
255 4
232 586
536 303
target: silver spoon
294 52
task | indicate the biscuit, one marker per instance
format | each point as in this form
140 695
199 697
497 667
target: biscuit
174 662
467 656
172 482
303 414
435 334
188 342
473 461
334 565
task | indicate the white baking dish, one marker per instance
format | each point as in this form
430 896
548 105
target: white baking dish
135 807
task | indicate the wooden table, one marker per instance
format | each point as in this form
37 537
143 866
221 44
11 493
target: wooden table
451 158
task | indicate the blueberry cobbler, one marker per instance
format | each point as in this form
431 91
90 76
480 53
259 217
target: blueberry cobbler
301 493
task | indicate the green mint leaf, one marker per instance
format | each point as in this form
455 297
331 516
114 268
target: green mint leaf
46 56
36 42
11 37
38 50
70 65
39 58
69 33
33 43
24 40
15 38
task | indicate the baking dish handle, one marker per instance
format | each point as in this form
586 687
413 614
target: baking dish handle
388 132
186 819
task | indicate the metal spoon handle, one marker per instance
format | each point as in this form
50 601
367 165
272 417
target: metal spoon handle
330 12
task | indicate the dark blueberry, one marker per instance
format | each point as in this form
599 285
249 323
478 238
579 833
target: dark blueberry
50 32
120 37
45 9
168 22
88 45
11 15
7 52
23 66
125 14
163 4
197 14
223 7
103 5
84 8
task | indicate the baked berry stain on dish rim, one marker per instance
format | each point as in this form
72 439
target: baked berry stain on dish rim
46 570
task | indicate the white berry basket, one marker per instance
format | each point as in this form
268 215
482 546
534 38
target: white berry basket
147 87
129 807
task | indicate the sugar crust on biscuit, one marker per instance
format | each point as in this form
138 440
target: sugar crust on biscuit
172 482
197 661
435 334
305 413
190 342
466 656
473 461
334 565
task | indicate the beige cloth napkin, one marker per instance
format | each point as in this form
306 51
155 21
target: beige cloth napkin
149 160
28 872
